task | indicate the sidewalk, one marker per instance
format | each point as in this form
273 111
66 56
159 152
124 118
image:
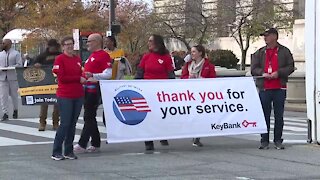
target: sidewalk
295 107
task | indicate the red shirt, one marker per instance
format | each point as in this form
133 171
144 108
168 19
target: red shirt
68 71
208 70
97 62
272 61
156 66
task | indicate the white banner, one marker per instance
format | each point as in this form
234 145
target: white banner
141 110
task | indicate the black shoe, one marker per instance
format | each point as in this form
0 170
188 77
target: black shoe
5 117
70 156
278 145
149 145
57 157
264 145
164 142
15 114
197 143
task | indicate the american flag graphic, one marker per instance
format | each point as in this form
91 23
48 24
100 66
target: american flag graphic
126 103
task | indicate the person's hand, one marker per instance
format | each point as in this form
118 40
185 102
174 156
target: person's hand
192 76
266 75
88 74
83 80
91 79
37 65
274 75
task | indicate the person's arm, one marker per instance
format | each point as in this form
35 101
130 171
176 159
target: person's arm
289 68
18 59
212 71
105 75
256 69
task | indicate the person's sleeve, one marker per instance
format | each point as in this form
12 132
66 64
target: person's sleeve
256 69
289 68
18 60
185 72
105 75
212 71
59 69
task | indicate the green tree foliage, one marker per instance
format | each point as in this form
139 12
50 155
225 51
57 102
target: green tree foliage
9 10
253 17
223 58
57 18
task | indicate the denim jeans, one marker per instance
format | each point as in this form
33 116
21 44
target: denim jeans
275 97
69 112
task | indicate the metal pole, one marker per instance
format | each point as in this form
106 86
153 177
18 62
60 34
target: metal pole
112 14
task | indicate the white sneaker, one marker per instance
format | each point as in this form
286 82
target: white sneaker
92 149
78 149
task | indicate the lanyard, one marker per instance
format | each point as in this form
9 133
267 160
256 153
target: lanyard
269 58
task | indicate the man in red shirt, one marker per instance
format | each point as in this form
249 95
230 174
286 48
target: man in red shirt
97 67
273 63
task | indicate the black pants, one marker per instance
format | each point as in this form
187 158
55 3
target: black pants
90 129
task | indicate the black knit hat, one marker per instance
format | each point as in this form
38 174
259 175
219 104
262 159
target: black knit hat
53 43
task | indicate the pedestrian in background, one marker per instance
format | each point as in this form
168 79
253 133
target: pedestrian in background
8 78
198 67
157 64
97 67
67 67
274 62
120 64
47 59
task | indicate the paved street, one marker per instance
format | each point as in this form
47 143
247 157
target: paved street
25 154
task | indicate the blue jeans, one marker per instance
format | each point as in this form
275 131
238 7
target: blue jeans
277 98
69 112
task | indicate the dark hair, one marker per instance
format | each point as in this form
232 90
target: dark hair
53 43
67 38
159 43
201 49
113 39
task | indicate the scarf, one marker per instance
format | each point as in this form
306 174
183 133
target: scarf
195 69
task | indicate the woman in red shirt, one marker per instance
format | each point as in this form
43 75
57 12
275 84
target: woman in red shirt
157 64
67 67
199 67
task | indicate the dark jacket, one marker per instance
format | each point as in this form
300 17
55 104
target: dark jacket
208 70
285 62
46 58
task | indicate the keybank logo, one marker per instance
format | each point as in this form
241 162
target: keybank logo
130 107
237 125
225 126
